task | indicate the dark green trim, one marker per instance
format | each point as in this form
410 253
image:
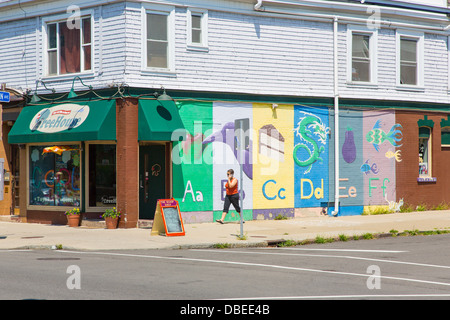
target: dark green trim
445 122
243 97
425 122
445 135
445 138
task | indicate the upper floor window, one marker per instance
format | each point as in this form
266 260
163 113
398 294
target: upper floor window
409 58
69 48
360 57
159 39
362 48
408 61
197 29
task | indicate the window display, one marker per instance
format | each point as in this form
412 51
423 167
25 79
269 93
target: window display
424 149
54 176
102 175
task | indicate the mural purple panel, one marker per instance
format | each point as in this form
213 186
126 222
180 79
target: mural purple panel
381 150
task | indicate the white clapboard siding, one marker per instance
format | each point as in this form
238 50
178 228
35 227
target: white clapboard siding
248 52
18 53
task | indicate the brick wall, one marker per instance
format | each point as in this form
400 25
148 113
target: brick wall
127 161
419 193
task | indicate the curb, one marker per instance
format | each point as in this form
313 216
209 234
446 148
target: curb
246 244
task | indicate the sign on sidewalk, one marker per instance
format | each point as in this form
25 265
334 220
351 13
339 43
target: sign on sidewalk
167 219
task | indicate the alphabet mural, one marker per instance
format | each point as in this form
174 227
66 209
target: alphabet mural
349 147
224 145
352 163
273 183
377 136
311 156
287 163
309 127
378 148
192 174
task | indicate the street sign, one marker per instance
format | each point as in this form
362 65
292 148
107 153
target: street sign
4 96
242 143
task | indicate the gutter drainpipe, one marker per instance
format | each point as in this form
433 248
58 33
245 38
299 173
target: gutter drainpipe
346 19
336 118
258 6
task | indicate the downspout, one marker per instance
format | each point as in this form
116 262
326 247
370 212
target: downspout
336 118
258 6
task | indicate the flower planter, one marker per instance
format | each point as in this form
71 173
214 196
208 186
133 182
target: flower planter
111 223
73 220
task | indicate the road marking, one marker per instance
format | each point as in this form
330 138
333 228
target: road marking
252 265
343 250
382 296
328 256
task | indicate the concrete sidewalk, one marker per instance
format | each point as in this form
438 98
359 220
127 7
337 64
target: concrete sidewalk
15 235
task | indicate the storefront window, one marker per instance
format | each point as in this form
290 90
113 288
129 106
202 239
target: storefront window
424 152
102 175
54 178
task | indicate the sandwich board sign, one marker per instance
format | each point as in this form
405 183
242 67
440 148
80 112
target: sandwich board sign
168 219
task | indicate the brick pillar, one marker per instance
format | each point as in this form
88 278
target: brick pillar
127 188
23 183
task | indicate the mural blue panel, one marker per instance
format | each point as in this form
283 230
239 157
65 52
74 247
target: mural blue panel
348 211
352 165
311 150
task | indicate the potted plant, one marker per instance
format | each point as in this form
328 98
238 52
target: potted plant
73 217
111 217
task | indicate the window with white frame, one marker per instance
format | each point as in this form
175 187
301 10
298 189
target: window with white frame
410 58
159 39
362 52
69 47
408 61
197 29
361 57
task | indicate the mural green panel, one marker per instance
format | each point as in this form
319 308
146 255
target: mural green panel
191 159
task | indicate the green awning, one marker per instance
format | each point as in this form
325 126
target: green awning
75 121
158 120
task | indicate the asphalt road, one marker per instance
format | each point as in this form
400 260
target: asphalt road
392 268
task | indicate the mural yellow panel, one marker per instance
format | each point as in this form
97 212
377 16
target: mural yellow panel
273 164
